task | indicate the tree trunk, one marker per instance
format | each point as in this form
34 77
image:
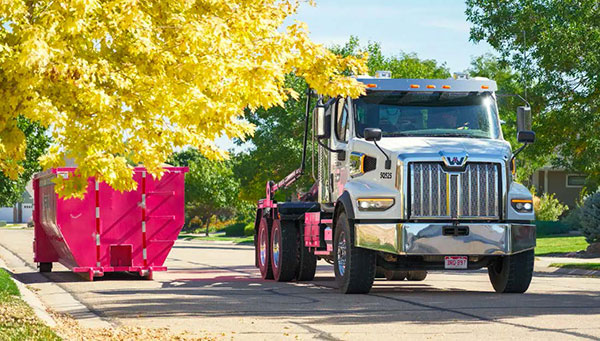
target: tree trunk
207 224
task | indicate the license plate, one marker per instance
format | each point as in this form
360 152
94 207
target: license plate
456 262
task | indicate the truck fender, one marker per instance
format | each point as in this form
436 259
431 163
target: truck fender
344 203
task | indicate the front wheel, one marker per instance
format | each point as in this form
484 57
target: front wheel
512 274
264 250
354 267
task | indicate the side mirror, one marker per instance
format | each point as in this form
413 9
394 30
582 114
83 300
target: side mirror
323 123
526 136
524 119
372 134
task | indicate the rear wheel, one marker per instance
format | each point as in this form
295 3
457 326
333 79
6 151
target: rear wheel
307 261
512 274
392 275
354 267
45 267
264 250
284 250
416 275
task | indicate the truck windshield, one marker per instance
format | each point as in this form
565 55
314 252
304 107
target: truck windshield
442 114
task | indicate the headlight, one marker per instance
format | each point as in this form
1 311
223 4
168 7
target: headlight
375 204
522 205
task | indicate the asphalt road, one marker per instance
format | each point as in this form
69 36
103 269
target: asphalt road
214 289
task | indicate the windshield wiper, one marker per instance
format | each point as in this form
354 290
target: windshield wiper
458 135
398 135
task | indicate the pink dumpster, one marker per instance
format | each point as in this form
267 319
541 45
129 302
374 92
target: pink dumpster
108 230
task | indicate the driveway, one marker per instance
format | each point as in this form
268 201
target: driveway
214 289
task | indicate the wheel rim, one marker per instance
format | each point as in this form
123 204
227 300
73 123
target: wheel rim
263 247
341 254
276 248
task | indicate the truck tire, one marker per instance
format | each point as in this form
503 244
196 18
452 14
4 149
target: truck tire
264 250
416 275
307 261
45 267
354 267
392 275
512 274
284 259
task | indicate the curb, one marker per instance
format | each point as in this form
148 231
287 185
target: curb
40 310
571 272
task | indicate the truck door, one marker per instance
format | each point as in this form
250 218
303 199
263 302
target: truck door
339 141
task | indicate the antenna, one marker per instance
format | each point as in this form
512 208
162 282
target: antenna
524 61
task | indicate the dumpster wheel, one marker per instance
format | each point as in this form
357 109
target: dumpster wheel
45 267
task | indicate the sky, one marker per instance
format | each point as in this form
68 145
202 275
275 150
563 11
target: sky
433 29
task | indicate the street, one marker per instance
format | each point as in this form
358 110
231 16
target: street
214 289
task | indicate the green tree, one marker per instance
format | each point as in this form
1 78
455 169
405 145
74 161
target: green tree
554 44
510 83
37 142
277 142
211 188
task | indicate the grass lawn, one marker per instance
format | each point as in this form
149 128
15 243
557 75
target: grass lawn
17 319
584 266
559 244
235 240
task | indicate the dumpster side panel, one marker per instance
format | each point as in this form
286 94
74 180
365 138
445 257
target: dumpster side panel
43 251
165 214
120 226
75 218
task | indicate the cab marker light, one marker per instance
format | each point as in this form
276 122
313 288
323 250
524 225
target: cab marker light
371 85
414 86
445 86
485 87
431 87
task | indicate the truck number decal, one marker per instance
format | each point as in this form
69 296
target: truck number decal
385 175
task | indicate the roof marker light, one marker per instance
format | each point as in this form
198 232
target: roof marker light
445 86
485 87
371 85
414 86
431 87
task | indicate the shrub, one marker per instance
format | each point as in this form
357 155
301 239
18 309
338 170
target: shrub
2 223
249 229
590 218
547 207
235 230
573 219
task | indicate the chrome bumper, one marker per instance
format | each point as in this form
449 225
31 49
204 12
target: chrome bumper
429 238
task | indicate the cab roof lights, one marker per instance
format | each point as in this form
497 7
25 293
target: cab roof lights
443 85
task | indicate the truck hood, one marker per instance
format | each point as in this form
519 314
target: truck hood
415 147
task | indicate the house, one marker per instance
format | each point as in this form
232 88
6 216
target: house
21 212
564 184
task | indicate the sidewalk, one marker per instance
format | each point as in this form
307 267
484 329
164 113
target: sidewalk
542 264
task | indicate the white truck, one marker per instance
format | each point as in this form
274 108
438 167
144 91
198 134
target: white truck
413 176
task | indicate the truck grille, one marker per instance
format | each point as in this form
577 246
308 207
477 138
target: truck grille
471 193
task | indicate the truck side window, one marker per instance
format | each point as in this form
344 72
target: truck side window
341 120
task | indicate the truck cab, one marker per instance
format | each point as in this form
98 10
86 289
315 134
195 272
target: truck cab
415 175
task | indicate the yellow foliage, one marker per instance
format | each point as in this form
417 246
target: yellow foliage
135 79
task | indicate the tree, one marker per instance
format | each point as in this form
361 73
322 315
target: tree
277 142
510 83
554 45
119 80
210 186
11 190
